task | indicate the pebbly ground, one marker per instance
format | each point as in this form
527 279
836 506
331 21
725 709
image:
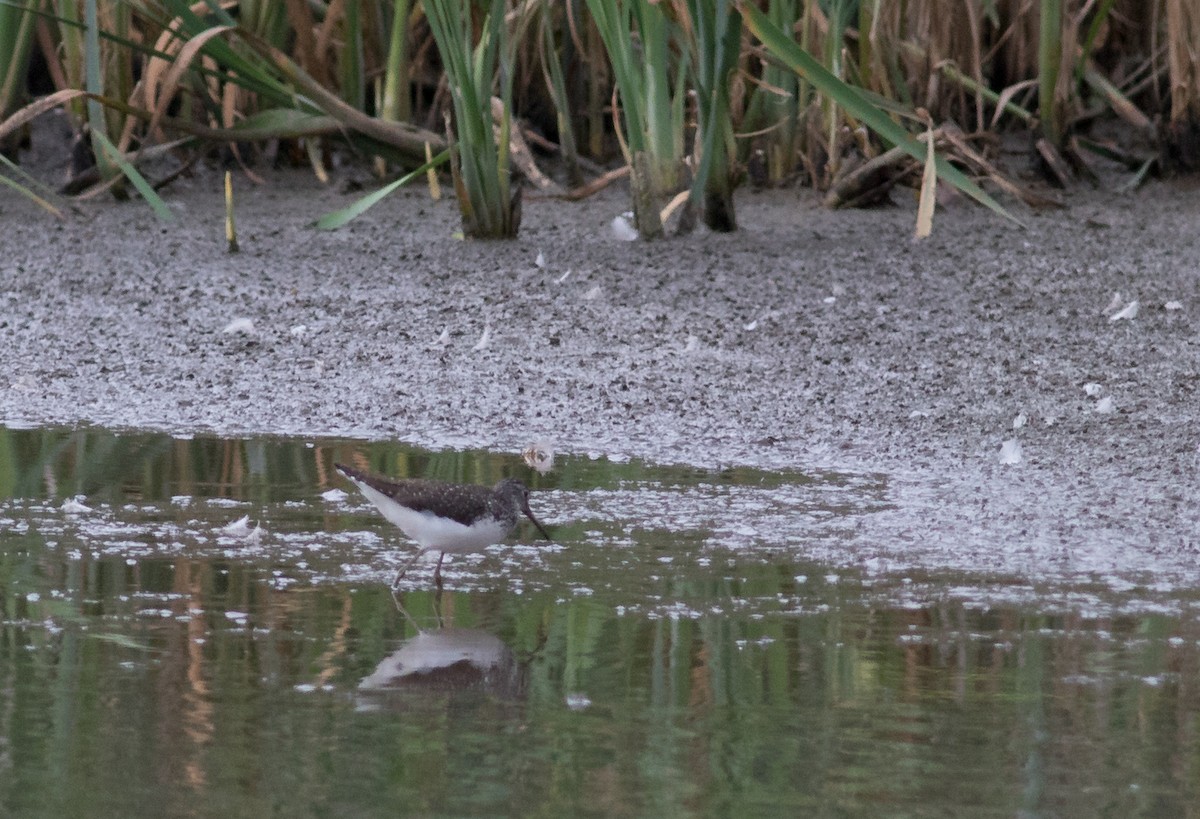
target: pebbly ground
808 339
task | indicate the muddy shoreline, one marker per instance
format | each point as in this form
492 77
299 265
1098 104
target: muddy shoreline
809 339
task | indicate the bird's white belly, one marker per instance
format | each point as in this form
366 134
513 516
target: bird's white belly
436 533
444 535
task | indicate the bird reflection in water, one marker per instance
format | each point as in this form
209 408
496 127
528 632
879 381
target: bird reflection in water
445 659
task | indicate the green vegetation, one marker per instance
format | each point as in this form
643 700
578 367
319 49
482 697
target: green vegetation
692 95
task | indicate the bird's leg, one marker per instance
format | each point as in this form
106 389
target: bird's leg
405 568
437 573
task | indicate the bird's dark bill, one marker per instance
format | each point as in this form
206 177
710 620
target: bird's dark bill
540 527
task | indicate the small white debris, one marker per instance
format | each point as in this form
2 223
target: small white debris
592 294
1130 311
1092 389
239 325
801 578
829 299
1173 305
1105 406
72 506
540 261
752 326
623 229
333 496
299 330
239 617
33 597
444 338
1010 452
1019 421
240 528
578 702
483 339
255 536
540 456
692 345
1115 302
563 277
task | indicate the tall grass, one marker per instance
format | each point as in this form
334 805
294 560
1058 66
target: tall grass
664 81
479 150
715 41
639 39
1182 136
16 40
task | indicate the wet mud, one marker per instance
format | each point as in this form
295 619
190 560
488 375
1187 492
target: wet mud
808 340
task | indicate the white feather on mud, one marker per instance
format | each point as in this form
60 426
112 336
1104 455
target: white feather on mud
1010 452
1129 311
1106 406
239 325
622 228
484 339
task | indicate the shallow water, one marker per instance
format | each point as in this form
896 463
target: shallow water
690 643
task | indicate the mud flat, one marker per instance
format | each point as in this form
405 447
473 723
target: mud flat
808 339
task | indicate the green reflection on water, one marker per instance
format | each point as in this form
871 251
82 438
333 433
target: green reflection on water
192 685
116 467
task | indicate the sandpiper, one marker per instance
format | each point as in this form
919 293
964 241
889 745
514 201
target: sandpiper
446 517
